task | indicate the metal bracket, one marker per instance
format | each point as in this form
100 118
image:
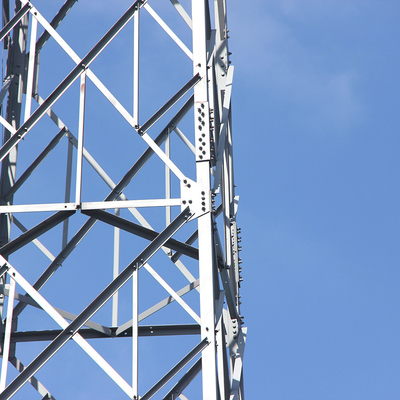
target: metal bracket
202 131
197 198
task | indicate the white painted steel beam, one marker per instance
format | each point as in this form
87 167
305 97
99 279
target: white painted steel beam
169 31
31 70
182 12
172 292
7 336
81 125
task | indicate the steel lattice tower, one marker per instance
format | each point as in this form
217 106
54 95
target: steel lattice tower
137 207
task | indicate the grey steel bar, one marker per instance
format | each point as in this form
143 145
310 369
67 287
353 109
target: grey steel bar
56 21
230 299
70 79
6 18
163 330
67 197
191 240
66 251
224 270
35 164
141 231
89 324
173 371
3 269
176 97
87 333
94 306
7 82
184 381
38 386
14 20
49 335
35 232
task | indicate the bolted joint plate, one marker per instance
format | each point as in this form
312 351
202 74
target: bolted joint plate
202 131
235 242
232 330
196 197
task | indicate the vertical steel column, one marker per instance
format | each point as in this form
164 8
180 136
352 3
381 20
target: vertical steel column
78 190
114 315
7 335
205 240
136 21
135 334
135 275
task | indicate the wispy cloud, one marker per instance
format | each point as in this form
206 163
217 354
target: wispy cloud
280 53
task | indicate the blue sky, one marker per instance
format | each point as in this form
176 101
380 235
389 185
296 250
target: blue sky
315 124
316 140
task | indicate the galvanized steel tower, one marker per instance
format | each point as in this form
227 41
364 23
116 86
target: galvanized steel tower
138 207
